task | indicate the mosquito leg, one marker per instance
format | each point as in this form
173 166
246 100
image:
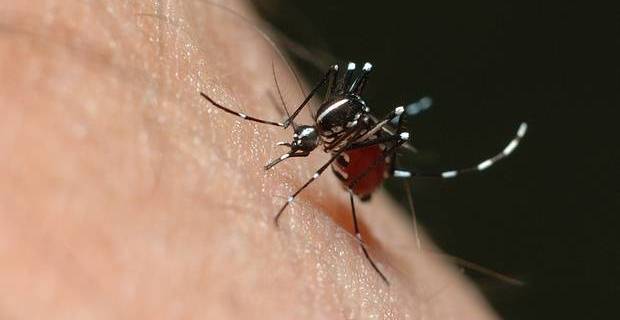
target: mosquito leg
398 138
512 145
395 114
343 84
352 134
358 85
239 114
407 186
381 158
335 155
332 72
332 85
398 122
358 235
407 175
397 173
318 173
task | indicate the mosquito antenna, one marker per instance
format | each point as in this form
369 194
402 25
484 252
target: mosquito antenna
275 79
317 58
314 56
265 36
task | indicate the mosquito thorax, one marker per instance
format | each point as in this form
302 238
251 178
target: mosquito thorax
340 114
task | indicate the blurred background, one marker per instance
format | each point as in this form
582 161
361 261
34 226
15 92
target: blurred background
549 214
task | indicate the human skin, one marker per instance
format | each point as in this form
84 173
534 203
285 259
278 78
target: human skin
125 195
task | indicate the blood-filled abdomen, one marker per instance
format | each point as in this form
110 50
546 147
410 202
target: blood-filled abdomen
361 170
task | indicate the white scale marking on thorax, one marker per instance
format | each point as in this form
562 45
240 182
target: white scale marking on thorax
331 108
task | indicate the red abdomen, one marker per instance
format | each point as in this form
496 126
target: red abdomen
361 170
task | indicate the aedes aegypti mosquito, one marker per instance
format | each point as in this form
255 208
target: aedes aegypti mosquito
363 148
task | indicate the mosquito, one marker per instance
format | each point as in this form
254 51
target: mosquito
362 147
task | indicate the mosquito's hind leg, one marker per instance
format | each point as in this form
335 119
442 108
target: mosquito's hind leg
485 164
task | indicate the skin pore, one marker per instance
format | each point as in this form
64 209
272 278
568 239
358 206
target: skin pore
124 194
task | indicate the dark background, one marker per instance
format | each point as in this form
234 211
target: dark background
549 214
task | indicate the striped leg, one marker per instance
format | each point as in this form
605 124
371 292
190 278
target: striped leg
328 75
407 175
398 123
315 176
343 85
335 155
399 136
394 115
239 114
512 145
358 235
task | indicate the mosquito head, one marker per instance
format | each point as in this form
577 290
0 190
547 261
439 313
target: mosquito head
305 138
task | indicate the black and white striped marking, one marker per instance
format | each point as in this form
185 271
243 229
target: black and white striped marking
487 163
239 114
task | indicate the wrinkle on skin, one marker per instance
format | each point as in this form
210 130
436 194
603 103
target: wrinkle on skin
126 195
